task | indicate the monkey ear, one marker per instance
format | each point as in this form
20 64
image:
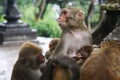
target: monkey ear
80 15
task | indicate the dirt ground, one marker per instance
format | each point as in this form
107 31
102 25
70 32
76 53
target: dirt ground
9 55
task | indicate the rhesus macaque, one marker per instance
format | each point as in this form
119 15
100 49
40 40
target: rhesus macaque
27 67
103 64
62 68
83 54
74 32
52 45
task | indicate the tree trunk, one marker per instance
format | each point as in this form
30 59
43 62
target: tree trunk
90 14
110 24
115 34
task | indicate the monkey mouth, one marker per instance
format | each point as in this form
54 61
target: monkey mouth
60 22
41 58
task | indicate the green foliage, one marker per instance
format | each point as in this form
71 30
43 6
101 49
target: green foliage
47 27
95 17
2 18
24 2
1 13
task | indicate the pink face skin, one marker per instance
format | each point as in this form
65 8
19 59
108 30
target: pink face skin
63 17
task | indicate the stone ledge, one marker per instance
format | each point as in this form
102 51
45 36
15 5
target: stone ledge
17 43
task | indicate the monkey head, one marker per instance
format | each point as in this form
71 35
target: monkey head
84 52
71 17
53 43
31 55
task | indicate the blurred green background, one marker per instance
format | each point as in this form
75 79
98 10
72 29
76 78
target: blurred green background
48 26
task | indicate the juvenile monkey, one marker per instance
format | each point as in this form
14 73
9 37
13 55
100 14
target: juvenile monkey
83 54
74 32
27 67
52 45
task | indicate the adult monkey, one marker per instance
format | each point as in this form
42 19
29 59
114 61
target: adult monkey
74 32
27 67
63 67
74 36
103 64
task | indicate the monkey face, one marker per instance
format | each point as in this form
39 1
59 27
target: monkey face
70 18
40 59
32 61
62 20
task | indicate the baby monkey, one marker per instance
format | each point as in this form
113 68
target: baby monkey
83 54
52 45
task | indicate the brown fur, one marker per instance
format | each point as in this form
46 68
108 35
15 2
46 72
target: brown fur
61 68
52 45
103 64
83 54
27 67
61 73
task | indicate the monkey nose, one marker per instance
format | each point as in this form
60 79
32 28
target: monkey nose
41 58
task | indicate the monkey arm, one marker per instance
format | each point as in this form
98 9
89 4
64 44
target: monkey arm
63 64
61 48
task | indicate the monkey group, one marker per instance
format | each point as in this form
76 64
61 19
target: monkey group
70 57
103 64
